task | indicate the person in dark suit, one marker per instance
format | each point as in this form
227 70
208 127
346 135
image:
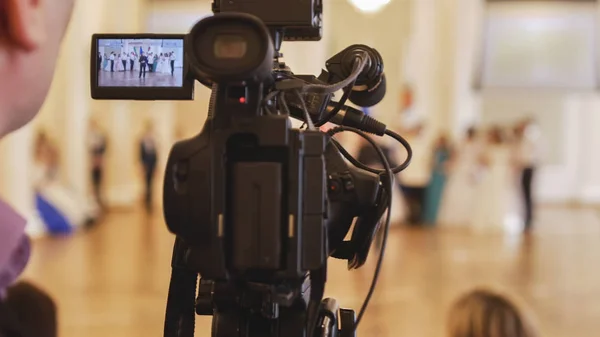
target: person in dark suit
148 158
124 58
528 156
172 58
131 61
143 64
99 61
112 62
97 148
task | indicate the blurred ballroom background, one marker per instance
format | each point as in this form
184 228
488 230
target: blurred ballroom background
522 76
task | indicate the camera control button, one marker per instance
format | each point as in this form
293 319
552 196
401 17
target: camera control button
348 184
181 171
335 186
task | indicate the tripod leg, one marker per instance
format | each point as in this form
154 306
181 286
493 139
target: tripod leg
180 316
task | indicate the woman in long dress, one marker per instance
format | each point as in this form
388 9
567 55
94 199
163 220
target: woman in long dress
104 61
155 60
61 209
157 64
107 66
118 63
166 66
161 64
433 195
460 194
136 62
491 209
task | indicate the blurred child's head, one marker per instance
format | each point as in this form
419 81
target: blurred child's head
484 313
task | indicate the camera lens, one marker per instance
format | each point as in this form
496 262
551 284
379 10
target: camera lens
230 47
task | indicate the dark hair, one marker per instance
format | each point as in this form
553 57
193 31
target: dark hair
35 310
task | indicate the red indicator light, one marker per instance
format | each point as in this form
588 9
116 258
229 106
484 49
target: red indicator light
243 100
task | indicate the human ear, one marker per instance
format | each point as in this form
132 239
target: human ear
25 23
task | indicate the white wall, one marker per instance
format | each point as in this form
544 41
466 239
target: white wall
533 45
571 169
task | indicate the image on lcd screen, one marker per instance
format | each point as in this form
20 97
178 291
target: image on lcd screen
140 63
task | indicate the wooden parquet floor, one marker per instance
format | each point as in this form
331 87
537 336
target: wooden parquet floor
113 280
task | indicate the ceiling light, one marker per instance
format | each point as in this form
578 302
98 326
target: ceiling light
369 6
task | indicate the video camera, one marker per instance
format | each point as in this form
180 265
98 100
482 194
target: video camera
257 206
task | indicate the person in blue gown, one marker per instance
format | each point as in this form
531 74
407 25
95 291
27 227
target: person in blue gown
433 195
105 61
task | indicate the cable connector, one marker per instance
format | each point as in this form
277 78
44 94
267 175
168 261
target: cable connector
355 118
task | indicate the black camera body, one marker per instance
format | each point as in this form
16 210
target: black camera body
256 205
261 198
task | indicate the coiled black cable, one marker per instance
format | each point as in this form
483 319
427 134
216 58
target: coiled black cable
346 85
388 181
397 169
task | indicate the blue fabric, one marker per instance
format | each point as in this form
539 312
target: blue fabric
55 221
433 195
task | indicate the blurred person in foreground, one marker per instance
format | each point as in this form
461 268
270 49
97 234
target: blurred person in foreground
527 151
30 37
485 313
148 159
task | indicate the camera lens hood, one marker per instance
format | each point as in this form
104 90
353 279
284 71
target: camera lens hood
230 47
